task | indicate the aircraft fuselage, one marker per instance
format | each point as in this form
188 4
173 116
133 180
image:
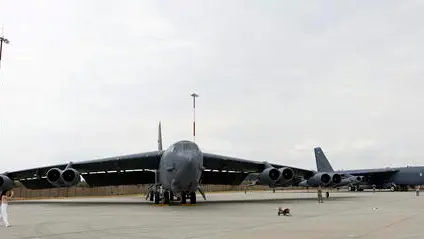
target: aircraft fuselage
409 176
181 167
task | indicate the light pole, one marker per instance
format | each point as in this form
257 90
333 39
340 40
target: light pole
194 95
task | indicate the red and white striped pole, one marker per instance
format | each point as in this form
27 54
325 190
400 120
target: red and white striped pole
194 95
2 40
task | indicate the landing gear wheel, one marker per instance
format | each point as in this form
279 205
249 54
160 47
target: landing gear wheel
171 196
392 188
152 196
157 198
273 190
193 198
166 197
183 198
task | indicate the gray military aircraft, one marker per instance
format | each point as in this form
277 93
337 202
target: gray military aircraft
324 177
178 171
395 179
326 172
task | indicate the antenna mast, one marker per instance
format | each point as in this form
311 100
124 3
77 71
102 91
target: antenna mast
194 95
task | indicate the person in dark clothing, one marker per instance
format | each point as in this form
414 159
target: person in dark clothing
320 195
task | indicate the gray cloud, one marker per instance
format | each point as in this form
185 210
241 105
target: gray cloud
83 80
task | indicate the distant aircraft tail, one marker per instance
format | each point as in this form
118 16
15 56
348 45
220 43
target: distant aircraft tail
160 137
322 162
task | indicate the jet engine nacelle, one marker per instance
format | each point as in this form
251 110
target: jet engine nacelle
352 180
269 176
5 183
71 177
356 179
323 179
54 177
360 179
287 176
63 178
347 181
319 179
335 178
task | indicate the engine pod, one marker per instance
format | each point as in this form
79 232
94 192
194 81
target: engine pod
54 176
336 178
5 183
70 177
269 176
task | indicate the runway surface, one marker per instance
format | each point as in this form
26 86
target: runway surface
223 215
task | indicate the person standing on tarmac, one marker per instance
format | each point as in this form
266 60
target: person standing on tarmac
5 197
320 195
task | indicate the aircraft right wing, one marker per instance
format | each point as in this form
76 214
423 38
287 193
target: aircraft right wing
227 170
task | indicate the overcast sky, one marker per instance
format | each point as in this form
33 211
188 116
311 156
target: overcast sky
90 79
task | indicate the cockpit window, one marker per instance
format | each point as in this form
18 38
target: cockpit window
184 146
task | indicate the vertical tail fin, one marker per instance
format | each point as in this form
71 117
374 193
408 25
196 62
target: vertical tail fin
322 162
160 137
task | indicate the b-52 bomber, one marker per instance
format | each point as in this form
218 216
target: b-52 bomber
179 172
395 179
329 177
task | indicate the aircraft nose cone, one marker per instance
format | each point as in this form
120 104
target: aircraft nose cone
186 174
187 165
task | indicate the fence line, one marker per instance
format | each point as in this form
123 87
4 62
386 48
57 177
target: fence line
22 192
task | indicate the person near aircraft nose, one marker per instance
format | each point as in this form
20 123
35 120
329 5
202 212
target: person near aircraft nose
5 197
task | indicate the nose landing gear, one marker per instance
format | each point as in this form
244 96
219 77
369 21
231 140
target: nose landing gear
192 198
158 195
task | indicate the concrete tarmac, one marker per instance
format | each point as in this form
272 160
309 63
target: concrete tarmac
223 215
